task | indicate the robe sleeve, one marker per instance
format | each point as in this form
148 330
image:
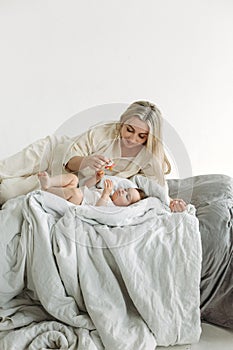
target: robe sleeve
92 141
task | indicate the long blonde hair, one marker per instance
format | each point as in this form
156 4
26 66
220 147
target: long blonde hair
149 113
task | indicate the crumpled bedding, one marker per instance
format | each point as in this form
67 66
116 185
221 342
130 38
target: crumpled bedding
76 277
212 195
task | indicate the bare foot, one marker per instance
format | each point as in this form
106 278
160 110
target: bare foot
44 180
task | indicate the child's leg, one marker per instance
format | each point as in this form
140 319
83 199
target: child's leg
71 194
63 180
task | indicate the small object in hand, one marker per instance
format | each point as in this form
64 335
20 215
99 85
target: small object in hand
110 165
100 173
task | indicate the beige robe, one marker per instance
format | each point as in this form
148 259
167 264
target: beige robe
18 173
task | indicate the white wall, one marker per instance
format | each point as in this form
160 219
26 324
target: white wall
58 58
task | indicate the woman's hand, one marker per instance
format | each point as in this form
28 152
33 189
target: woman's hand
96 162
177 205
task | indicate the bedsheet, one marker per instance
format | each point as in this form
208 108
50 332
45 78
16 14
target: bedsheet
86 278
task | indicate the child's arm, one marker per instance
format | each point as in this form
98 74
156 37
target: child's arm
94 179
177 205
108 186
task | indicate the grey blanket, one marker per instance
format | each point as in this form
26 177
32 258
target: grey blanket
86 278
212 196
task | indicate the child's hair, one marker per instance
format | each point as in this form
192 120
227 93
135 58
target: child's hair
141 193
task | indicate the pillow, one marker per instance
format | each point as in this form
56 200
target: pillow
152 188
202 189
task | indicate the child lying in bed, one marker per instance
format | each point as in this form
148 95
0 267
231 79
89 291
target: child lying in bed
65 186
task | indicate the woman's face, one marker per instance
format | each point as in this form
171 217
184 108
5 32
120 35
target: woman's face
134 132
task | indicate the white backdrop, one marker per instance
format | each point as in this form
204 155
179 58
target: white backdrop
58 58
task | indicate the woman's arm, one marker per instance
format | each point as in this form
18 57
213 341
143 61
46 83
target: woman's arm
74 164
95 162
88 148
92 181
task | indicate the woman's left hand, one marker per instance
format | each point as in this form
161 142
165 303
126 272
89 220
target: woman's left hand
177 205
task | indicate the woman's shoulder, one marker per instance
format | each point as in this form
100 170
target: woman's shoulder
100 131
105 127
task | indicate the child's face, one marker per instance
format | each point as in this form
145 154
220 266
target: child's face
125 196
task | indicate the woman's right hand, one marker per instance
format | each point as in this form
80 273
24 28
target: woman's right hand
96 162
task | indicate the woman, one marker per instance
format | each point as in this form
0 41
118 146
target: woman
134 144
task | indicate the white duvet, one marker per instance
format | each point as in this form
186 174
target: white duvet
83 277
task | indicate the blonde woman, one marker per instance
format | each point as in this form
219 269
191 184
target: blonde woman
134 144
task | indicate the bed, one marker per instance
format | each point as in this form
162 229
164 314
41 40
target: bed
83 278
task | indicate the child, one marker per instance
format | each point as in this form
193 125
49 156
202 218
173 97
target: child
65 186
